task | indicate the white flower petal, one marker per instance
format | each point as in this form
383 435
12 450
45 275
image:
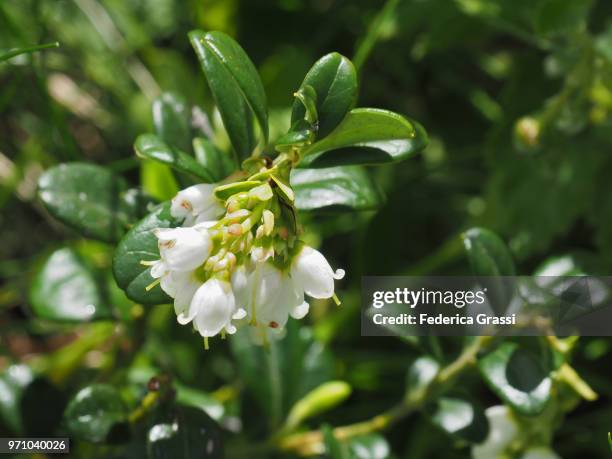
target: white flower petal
183 249
158 269
311 271
214 305
196 203
300 311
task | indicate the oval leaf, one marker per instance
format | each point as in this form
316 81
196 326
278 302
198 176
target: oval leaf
345 187
235 85
96 413
217 162
367 136
461 419
152 147
91 199
518 377
172 120
370 446
334 79
65 289
140 244
489 256
188 434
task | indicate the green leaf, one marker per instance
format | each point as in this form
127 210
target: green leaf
198 399
65 289
188 433
278 377
22 393
334 81
218 163
96 414
344 187
140 244
334 448
13 382
371 446
319 400
172 121
462 419
223 192
488 255
561 16
518 377
235 85
421 373
367 136
152 147
91 199
158 181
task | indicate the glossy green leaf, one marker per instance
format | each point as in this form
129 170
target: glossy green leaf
91 199
172 121
235 85
518 376
66 289
152 147
371 446
489 256
96 413
421 373
277 378
158 181
217 162
334 448
319 400
140 244
195 398
185 433
344 187
13 382
22 393
461 418
367 136
334 81
301 133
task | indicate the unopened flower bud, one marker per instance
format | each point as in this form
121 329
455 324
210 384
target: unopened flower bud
262 192
260 232
268 219
235 229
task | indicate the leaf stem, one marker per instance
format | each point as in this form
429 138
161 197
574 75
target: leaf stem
28 50
373 34
311 442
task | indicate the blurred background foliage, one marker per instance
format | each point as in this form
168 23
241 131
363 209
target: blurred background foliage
516 96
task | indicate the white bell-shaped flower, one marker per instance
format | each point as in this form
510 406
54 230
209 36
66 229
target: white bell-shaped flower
268 295
540 452
180 285
502 431
196 204
181 249
213 308
313 275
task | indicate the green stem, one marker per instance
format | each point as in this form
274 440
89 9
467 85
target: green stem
29 50
373 34
307 443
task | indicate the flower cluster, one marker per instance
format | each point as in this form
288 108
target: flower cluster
237 258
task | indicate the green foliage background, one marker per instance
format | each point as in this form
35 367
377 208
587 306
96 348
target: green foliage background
479 75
